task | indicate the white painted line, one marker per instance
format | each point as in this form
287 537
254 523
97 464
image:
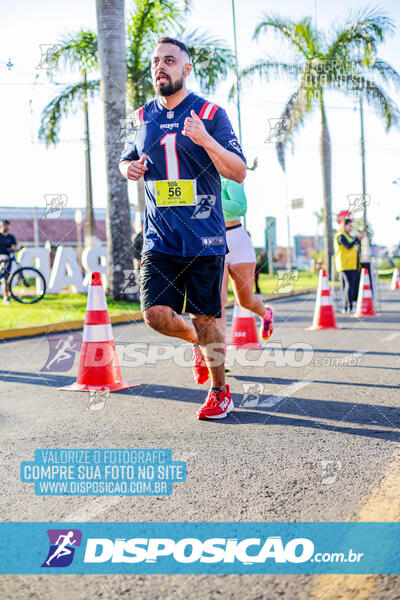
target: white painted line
287 393
391 337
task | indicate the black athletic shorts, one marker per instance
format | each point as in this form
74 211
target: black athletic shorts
165 279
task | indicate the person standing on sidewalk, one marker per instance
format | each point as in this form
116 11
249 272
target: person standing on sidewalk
346 260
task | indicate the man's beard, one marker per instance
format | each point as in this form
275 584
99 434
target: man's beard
167 89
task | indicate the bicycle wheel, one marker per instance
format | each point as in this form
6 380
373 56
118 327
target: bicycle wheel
27 285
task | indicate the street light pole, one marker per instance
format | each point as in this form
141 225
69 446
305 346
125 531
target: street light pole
237 84
362 141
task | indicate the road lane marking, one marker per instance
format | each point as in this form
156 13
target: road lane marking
287 393
391 337
380 505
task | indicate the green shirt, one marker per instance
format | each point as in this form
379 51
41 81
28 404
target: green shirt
234 202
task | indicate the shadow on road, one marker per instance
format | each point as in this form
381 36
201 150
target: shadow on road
308 410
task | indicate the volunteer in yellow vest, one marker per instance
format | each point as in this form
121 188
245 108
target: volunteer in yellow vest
346 259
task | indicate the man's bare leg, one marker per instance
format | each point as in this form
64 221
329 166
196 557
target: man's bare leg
164 320
211 341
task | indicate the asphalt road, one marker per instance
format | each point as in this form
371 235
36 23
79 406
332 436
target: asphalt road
312 443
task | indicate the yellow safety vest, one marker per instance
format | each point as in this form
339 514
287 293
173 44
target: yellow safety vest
345 258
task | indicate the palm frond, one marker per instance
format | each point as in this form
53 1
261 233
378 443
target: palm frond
69 100
266 69
375 96
77 51
383 69
366 28
292 116
211 57
301 34
150 20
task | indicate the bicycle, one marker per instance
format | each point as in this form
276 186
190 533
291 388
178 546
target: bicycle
27 284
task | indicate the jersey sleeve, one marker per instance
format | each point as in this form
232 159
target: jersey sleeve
222 131
343 241
234 201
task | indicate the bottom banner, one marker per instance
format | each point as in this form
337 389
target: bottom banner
217 548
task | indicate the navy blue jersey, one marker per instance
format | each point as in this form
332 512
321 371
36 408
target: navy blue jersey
182 230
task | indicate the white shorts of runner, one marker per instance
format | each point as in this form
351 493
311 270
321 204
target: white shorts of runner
240 247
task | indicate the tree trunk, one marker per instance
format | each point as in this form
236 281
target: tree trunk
90 226
112 54
326 162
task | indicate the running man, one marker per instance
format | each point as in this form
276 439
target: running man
182 144
62 549
240 262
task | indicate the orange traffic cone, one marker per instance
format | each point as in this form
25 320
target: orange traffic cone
244 329
395 280
98 362
324 316
365 304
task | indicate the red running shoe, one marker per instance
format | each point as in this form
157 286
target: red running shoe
217 405
267 325
199 368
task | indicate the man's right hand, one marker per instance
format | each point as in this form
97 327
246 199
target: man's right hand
134 169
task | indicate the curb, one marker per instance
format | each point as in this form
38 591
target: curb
34 330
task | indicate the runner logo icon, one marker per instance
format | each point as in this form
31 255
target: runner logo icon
62 547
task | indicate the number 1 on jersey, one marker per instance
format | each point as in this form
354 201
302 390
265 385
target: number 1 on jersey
171 155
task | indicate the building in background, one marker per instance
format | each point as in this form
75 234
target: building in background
37 226
306 246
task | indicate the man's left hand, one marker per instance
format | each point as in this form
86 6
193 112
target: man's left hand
195 129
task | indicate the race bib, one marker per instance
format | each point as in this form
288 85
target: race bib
180 192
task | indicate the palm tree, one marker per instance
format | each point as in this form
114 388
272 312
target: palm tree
212 60
112 57
344 60
79 52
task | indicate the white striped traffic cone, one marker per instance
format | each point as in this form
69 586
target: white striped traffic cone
365 303
244 328
324 316
98 362
395 280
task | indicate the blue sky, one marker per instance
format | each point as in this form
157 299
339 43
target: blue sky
30 171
